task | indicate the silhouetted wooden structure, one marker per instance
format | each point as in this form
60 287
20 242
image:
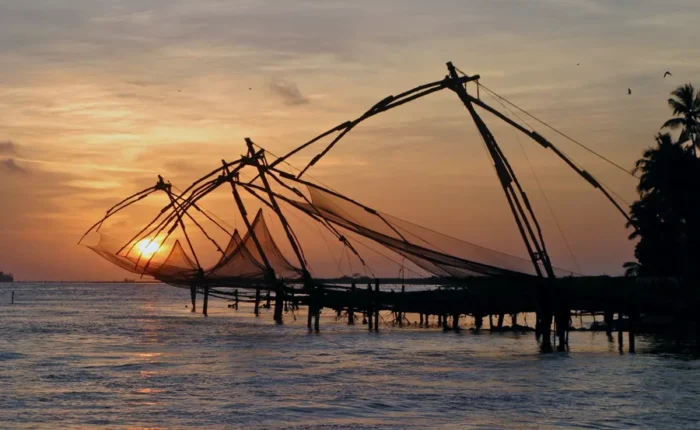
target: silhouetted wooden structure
469 280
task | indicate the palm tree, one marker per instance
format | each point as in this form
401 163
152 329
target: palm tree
686 106
658 165
667 215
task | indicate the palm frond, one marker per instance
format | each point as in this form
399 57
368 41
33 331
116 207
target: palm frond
685 94
678 107
673 123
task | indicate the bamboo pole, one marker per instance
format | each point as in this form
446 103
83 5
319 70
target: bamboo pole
384 105
504 175
547 144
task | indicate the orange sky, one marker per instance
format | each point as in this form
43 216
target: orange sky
96 99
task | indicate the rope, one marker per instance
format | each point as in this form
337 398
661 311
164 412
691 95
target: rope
383 255
544 195
339 269
304 221
615 194
323 237
205 210
364 266
347 254
294 167
566 136
578 143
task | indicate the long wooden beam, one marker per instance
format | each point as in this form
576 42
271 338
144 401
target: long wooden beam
383 105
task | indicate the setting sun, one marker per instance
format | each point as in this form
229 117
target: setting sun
148 247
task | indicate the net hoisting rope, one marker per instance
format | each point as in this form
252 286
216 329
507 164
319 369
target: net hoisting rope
602 157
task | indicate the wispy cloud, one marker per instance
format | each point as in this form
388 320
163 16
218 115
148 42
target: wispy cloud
7 147
98 97
288 91
11 166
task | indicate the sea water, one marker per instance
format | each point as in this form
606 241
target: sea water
133 356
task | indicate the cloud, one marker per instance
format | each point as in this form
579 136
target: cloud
288 92
11 166
7 147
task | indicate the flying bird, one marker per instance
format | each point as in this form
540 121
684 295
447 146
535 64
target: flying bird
667 74
578 64
629 91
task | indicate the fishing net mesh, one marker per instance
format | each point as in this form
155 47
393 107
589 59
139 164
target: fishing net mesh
242 258
435 252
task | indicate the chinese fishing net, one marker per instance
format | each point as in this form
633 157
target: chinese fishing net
167 261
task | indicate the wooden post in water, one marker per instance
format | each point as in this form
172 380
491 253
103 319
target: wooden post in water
317 319
491 322
370 308
351 310
310 313
268 299
562 318
193 297
318 300
545 323
205 303
235 299
633 318
256 308
608 318
455 321
376 306
544 317
444 323
478 321
500 321
279 302
400 312
420 320
513 320
439 322
620 342
13 297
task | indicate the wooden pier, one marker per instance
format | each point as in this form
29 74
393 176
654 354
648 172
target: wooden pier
553 301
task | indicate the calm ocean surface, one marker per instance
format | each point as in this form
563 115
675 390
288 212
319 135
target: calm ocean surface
132 356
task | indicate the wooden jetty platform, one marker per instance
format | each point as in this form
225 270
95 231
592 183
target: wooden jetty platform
553 301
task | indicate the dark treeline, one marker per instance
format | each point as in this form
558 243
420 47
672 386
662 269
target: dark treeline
667 214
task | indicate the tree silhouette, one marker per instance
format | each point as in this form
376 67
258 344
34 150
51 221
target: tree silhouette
685 103
667 214
632 268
